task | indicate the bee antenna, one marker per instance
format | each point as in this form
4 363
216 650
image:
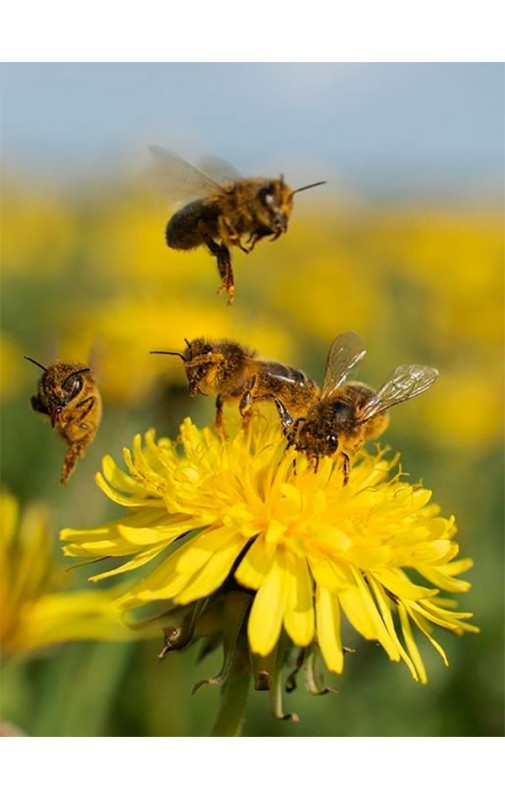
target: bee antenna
36 363
78 372
167 353
309 186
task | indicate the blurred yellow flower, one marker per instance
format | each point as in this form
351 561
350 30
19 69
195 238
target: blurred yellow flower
452 258
468 414
10 367
318 280
129 239
39 232
34 612
428 277
307 547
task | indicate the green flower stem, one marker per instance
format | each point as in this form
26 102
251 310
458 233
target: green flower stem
234 695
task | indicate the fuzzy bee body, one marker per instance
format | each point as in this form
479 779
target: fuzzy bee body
224 211
236 375
187 227
68 394
348 413
333 426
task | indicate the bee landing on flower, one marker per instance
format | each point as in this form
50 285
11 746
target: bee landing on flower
265 558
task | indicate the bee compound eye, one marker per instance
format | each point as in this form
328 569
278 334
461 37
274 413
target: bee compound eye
267 196
197 374
73 385
332 440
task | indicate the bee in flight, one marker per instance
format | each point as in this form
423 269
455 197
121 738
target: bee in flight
224 209
237 375
68 395
347 413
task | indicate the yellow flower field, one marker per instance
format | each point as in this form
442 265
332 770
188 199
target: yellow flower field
88 277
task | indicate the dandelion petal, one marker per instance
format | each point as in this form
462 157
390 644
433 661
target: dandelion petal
267 611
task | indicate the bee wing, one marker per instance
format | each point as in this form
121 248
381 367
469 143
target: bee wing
405 382
219 170
345 353
179 180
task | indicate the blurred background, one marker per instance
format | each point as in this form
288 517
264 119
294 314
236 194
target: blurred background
404 245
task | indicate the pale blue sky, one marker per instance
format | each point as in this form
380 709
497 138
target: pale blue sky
375 126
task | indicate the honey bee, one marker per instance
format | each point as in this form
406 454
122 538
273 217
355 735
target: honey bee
69 396
237 375
224 209
347 413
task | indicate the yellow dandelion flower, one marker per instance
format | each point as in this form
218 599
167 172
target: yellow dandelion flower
34 612
305 549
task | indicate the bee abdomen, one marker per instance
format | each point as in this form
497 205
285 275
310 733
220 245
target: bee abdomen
288 374
184 228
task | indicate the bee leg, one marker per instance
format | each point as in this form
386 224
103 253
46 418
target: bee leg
237 241
285 416
251 242
346 467
289 428
223 258
293 433
219 416
255 237
229 235
226 273
86 406
246 403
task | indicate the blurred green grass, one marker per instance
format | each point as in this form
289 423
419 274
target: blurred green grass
419 284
